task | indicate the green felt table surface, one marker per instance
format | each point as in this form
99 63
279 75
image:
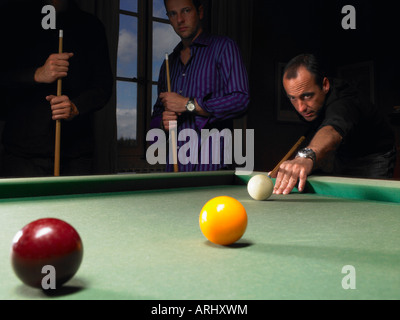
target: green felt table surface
142 239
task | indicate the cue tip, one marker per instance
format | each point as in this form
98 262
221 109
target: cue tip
61 34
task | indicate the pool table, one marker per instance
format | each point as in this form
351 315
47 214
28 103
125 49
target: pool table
142 239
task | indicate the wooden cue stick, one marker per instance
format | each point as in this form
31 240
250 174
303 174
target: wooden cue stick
173 130
58 122
288 155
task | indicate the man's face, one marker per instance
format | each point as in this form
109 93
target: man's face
60 5
305 95
184 18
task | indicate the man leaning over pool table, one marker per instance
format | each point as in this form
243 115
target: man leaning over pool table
349 135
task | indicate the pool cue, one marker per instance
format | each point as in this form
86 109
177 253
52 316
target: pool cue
58 122
288 155
173 130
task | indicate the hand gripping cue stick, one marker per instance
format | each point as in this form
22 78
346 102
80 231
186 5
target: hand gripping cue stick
287 156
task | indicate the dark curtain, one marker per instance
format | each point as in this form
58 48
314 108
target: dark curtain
233 18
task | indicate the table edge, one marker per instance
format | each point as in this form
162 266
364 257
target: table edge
350 188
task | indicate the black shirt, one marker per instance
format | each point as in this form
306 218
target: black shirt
362 125
29 130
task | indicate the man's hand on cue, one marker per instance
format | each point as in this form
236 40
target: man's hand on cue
174 102
291 172
167 117
62 108
55 67
174 105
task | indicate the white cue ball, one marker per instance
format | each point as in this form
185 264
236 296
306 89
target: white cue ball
260 187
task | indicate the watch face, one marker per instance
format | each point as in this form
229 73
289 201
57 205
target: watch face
190 106
307 153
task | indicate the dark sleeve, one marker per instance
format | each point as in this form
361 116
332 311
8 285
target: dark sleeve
343 115
99 88
236 96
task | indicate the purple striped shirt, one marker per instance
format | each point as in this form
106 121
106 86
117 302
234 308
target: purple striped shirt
217 78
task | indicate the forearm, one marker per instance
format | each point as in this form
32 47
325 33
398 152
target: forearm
200 111
226 107
92 100
98 75
18 78
231 96
173 102
324 144
98 91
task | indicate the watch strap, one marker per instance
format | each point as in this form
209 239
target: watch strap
191 101
307 153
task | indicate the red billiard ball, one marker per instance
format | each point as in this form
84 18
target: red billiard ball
46 242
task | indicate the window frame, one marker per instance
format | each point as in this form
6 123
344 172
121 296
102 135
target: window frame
132 156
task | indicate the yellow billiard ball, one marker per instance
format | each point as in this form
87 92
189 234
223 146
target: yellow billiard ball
223 220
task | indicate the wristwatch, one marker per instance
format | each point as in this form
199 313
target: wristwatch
190 106
307 153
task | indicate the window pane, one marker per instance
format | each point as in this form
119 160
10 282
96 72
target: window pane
127 47
129 5
164 41
159 9
126 110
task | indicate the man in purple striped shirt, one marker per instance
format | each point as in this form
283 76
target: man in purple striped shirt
209 88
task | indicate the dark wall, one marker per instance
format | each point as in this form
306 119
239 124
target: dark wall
282 29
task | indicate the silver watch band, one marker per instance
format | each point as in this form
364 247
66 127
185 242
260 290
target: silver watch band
190 106
307 153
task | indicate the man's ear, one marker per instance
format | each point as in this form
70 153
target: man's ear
201 12
326 85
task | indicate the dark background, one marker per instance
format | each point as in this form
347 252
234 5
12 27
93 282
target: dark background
283 29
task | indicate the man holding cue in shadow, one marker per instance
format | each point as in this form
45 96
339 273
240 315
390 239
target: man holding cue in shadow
31 72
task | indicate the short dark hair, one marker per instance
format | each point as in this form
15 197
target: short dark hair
196 3
310 62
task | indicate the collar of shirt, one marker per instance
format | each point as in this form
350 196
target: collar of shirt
203 40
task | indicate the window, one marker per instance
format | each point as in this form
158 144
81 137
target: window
127 72
145 36
164 41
